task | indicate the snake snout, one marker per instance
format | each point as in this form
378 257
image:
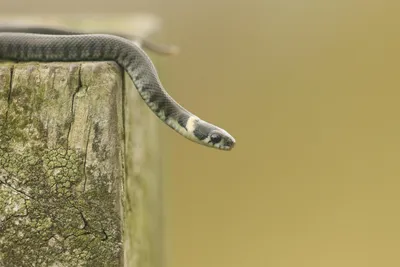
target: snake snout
230 143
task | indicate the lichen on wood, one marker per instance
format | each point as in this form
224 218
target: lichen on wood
61 164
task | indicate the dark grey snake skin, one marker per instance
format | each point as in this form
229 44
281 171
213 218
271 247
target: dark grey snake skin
20 46
146 44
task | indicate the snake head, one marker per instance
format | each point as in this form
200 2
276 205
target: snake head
220 139
208 134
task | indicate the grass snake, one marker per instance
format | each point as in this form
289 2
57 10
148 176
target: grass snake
23 44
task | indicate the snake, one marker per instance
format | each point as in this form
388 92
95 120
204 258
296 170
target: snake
24 44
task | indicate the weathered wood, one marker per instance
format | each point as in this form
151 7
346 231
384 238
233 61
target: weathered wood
68 194
143 231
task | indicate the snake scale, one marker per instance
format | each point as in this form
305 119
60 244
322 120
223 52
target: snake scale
50 45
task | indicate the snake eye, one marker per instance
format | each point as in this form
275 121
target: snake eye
215 138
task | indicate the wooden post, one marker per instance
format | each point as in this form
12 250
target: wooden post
79 173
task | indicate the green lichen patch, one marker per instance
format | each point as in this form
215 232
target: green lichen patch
44 218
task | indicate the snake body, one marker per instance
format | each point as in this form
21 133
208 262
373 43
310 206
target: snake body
24 46
155 47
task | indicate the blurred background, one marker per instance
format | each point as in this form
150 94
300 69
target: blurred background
310 90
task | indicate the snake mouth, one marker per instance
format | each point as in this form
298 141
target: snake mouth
228 145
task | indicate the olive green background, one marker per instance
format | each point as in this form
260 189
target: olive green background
310 90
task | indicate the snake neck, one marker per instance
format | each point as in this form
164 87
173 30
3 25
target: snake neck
158 100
